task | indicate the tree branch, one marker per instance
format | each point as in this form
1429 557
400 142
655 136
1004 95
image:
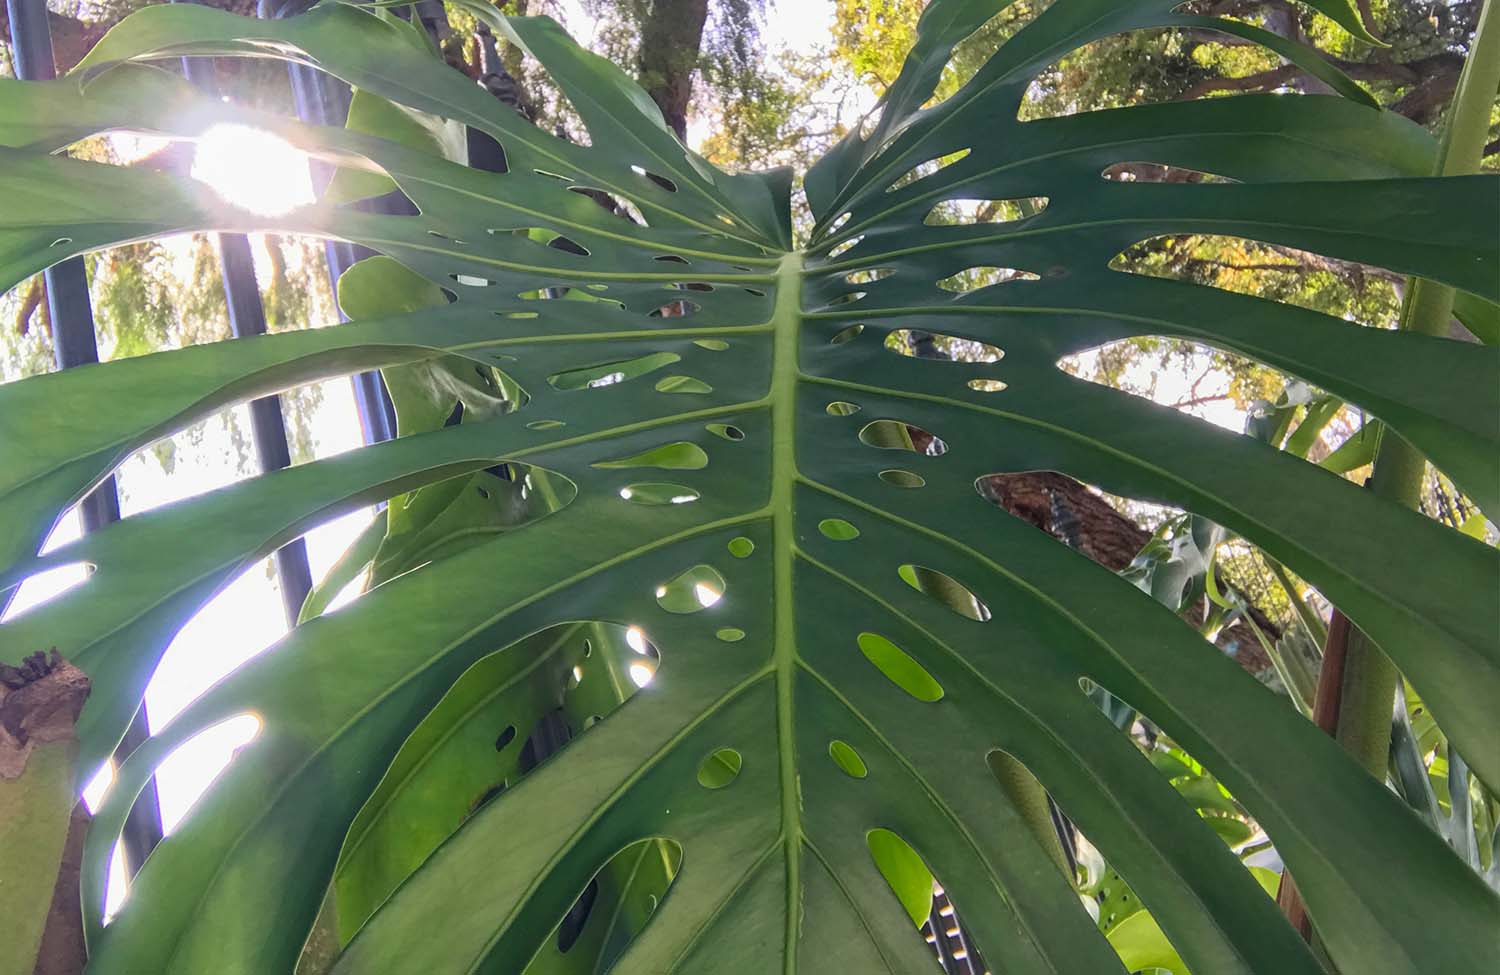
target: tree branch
1259 81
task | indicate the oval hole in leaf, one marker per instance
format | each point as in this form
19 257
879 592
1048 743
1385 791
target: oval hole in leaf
730 634
679 456
577 916
728 431
641 673
941 348
565 293
925 169
903 479
848 298
982 276
838 529
609 373
469 280
720 768
845 247
545 424
658 493
741 547
570 246
661 181
1150 172
847 334
677 309
967 212
986 385
1244 265
691 591
691 286
946 590
614 907
672 259
612 203
505 738
683 384
900 667
895 435
42 587
869 275
841 408
847 759
712 345
903 869
207 748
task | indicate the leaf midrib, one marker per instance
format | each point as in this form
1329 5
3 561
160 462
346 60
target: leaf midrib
787 321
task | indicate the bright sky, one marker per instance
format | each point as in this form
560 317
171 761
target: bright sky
263 174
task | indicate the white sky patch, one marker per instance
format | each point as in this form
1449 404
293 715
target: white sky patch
200 760
43 586
1174 384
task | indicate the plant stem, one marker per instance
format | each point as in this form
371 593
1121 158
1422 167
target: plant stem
1357 685
1316 631
1369 683
38 749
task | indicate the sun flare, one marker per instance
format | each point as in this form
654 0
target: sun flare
253 169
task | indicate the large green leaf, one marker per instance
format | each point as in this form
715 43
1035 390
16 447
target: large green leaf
719 419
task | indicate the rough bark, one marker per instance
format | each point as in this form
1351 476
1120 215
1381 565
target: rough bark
40 700
671 38
1070 512
1065 509
63 951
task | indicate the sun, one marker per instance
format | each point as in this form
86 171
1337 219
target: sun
253 169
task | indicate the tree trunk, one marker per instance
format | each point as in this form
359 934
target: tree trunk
72 37
1081 519
62 950
40 922
671 37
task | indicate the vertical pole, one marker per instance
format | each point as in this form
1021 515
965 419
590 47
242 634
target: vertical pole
247 317
74 344
321 100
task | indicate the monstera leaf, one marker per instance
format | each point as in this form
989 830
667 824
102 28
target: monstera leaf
681 452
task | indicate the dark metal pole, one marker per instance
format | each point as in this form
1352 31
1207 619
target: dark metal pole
74 344
247 317
322 100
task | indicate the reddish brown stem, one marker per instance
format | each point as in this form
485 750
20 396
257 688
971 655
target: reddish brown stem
1326 704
